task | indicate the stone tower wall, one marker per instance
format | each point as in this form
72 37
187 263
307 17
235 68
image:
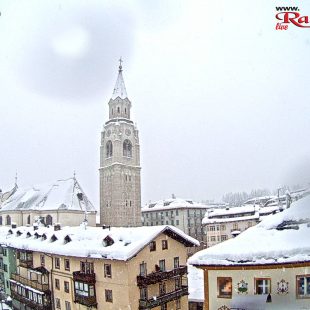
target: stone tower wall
120 181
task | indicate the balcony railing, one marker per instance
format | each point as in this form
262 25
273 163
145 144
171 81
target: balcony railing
158 276
89 301
32 283
30 303
26 263
84 277
162 299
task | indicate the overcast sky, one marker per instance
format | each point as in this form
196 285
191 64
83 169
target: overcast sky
221 99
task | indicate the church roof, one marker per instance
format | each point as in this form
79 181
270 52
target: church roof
119 89
6 195
60 195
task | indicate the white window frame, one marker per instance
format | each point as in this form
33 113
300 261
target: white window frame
265 285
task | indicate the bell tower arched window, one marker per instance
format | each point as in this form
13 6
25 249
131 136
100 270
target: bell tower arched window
8 220
109 149
0 220
28 219
127 148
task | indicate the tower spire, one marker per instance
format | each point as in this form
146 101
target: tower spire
119 89
120 68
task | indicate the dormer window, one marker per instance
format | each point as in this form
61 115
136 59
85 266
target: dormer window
108 241
36 235
67 239
53 238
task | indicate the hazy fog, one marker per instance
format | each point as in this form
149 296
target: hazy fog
220 97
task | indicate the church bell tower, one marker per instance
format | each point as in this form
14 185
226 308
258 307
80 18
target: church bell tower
120 184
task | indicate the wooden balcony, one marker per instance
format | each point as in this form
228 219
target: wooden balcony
32 283
26 263
84 277
88 301
30 303
158 276
162 299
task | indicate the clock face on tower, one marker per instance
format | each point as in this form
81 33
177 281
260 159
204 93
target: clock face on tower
128 132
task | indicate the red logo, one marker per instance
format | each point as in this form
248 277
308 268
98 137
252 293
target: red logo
292 17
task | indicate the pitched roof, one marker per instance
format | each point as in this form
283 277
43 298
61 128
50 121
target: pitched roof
60 195
93 242
242 213
175 203
6 195
279 238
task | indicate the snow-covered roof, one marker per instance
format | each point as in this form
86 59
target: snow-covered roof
254 217
174 203
60 195
242 213
8 194
259 200
232 211
115 243
279 238
268 210
119 89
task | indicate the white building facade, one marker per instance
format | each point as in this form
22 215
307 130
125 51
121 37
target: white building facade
224 224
